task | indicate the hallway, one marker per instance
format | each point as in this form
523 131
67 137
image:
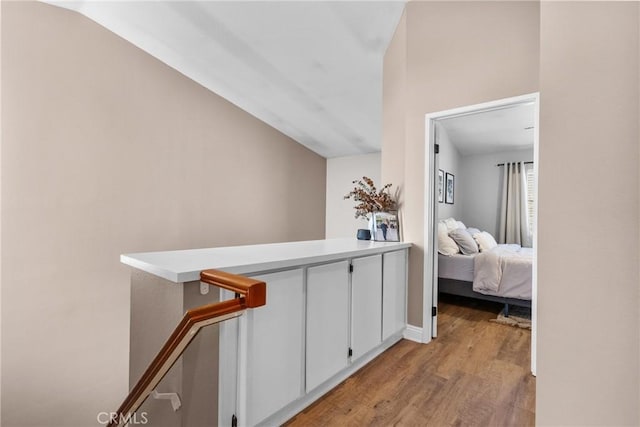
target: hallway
475 373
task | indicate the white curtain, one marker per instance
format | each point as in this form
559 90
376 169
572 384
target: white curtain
514 218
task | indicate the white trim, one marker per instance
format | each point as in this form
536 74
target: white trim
430 174
534 278
413 333
243 362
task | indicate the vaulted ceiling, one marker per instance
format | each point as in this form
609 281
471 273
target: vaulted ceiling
311 69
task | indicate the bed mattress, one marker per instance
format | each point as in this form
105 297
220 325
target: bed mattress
461 267
457 267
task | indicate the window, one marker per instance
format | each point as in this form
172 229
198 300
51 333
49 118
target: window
531 196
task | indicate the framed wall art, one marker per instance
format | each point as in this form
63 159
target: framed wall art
449 188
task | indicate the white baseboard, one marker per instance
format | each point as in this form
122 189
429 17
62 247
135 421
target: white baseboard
413 333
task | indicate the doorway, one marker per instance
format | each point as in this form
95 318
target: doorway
433 121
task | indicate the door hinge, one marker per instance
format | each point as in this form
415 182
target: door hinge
350 352
437 148
434 311
350 268
234 421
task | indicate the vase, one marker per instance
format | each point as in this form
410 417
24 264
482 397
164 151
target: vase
372 227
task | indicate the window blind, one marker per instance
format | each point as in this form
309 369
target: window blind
531 195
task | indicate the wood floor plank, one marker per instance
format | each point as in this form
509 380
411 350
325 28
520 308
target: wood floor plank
476 373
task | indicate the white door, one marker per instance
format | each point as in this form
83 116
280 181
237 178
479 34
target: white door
366 304
327 322
274 347
434 237
394 292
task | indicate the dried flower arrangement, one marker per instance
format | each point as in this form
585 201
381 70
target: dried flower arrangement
369 199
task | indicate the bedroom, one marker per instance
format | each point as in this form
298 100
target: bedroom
485 209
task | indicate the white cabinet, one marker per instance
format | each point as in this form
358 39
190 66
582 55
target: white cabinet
296 347
327 322
274 344
272 361
394 292
340 316
366 304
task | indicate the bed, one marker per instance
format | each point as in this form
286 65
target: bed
502 274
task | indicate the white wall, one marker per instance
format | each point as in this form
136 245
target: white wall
341 171
449 161
481 187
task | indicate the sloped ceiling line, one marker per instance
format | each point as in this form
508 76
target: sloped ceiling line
311 69
216 32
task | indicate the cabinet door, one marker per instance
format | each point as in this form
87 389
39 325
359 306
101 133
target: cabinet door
274 346
394 292
366 304
327 321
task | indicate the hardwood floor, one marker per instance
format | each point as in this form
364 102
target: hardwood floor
476 373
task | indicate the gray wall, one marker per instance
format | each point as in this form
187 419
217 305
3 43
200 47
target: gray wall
450 161
106 151
481 187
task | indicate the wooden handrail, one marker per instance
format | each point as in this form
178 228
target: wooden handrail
253 290
252 294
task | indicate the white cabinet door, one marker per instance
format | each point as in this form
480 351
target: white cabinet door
366 304
327 321
394 292
274 355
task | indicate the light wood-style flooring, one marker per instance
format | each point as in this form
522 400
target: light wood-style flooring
476 373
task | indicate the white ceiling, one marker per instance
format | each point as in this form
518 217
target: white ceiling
492 131
311 69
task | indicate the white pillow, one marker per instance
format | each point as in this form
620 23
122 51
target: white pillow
464 241
460 224
472 231
451 224
485 241
446 245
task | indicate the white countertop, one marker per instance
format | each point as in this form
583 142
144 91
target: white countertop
186 265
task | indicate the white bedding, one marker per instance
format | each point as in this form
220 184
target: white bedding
505 271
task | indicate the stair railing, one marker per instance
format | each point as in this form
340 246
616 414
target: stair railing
250 293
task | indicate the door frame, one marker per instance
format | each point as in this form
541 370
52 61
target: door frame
430 282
